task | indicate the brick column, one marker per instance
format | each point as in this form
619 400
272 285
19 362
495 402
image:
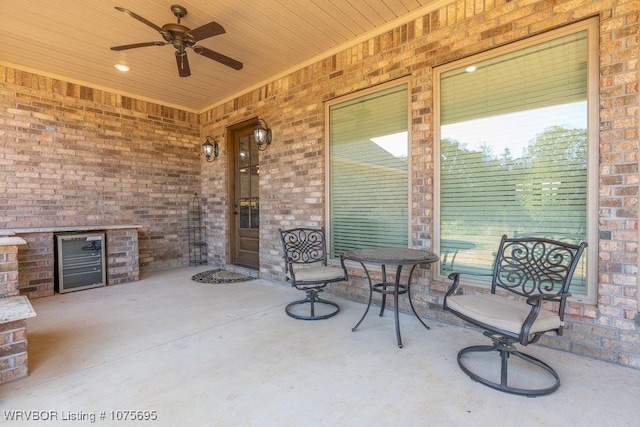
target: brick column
14 309
9 265
37 263
122 256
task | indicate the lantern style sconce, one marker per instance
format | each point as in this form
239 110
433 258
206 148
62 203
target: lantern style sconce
263 135
211 149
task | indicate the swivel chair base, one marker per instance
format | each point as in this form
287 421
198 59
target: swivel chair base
506 351
312 299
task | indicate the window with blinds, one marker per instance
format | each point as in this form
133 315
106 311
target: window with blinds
368 170
513 151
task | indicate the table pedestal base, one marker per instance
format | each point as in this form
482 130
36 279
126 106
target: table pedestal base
390 288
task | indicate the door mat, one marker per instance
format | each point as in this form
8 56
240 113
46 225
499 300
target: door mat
221 276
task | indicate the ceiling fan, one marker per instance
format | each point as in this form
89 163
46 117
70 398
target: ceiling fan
181 37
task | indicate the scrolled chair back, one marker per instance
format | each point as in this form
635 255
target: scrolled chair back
304 245
528 266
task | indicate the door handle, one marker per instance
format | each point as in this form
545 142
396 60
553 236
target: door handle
235 209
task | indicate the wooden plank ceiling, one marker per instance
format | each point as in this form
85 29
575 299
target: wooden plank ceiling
71 40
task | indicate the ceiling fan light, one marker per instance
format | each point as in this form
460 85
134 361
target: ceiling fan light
122 67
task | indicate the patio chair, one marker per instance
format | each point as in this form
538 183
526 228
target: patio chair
529 289
305 260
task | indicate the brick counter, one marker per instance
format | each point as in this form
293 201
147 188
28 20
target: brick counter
36 261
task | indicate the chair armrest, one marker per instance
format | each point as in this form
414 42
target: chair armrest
455 277
535 301
346 274
288 267
538 298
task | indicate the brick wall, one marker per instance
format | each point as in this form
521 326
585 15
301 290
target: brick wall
292 171
72 155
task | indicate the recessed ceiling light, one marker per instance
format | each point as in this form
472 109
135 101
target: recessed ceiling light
470 69
122 67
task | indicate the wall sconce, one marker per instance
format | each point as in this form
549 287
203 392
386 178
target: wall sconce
211 148
263 135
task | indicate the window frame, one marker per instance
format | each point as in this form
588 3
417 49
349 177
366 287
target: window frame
592 28
403 81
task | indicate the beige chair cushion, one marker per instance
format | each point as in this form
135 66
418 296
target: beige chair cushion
502 313
318 273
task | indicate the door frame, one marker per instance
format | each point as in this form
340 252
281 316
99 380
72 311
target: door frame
233 218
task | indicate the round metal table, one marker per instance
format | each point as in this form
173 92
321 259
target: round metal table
390 256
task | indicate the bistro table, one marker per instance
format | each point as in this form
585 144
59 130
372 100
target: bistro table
390 256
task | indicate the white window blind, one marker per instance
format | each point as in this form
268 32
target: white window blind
513 152
368 184
551 73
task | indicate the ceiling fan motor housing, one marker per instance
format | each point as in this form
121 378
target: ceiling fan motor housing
178 35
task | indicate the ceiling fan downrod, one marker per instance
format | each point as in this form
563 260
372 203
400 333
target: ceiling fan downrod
178 11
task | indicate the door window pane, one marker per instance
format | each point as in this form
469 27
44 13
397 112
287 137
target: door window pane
244 154
248 182
244 213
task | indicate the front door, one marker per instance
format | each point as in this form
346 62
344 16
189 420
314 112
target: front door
244 179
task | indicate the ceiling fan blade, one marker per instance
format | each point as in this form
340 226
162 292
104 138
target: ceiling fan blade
183 64
139 18
208 30
223 59
135 45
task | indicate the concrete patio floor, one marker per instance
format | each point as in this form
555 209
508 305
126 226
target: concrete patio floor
196 354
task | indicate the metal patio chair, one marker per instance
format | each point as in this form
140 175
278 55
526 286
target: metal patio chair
529 289
305 259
